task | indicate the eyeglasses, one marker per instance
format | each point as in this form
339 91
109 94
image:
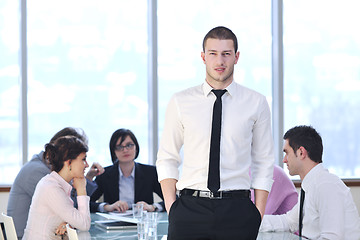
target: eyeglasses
120 148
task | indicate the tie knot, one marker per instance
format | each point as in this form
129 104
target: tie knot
219 93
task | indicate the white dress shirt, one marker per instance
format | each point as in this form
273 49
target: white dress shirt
329 210
246 140
51 205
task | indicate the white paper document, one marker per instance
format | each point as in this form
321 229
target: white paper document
125 217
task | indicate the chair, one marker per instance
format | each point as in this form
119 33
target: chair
72 234
1 232
9 227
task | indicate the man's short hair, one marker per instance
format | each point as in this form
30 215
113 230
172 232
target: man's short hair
70 131
307 137
221 33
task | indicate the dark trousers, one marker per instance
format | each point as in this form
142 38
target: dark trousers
193 218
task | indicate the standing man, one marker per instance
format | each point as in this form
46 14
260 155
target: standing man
225 130
329 211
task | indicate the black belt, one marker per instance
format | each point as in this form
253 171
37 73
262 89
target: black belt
216 195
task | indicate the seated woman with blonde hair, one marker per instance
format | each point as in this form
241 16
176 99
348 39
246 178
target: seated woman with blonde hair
52 208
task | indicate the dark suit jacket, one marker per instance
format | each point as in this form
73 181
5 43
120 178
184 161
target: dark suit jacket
146 183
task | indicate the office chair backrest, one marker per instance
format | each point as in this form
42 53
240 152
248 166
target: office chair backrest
8 223
2 228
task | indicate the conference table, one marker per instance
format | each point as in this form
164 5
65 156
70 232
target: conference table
99 233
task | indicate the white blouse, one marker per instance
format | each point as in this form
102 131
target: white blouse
51 205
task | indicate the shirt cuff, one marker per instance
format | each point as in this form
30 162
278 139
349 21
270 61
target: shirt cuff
265 225
262 183
158 206
101 207
83 202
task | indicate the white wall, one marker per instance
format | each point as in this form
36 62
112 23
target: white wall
356 195
3 201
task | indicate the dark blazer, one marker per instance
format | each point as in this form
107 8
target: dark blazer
146 183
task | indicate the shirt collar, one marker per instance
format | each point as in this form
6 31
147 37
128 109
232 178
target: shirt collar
132 172
63 184
207 88
311 176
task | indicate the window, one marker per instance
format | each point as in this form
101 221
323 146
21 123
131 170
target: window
10 155
181 32
88 60
87 65
322 77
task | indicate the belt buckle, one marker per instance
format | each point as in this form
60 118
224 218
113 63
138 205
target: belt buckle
211 195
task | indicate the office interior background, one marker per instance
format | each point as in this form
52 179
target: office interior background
104 65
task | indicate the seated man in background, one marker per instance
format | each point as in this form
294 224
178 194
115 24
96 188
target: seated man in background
328 211
30 174
283 195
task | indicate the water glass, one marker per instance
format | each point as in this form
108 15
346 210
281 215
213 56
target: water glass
147 226
138 210
142 228
151 225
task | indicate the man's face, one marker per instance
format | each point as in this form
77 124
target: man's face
291 159
219 58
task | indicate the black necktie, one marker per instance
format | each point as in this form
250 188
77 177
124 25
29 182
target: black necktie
214 161
302 197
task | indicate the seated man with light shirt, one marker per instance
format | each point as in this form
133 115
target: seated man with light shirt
328 211
126 181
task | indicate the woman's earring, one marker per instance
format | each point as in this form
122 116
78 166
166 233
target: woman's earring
70 167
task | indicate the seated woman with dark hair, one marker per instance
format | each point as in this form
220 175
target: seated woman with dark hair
126 182
23 188
52 208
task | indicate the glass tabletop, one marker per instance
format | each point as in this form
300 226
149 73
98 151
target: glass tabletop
98 233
